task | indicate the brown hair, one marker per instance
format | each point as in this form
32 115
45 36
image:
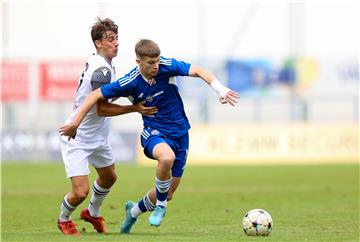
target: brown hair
101 26
146 47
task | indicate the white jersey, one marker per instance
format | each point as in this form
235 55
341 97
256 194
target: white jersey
97 73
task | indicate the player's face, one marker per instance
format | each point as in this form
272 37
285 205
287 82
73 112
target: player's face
149 66
109 45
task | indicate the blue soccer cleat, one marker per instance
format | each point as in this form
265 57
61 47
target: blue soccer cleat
157 216
128 221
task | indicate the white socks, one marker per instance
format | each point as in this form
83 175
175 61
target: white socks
97 197
65 210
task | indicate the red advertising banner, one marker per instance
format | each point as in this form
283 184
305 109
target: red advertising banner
14 81
58 80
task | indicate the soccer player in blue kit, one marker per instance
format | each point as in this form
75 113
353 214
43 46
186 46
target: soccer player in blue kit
165 135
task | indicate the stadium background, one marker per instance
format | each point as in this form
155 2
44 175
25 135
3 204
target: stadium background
295 65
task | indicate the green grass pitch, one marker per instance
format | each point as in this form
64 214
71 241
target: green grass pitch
307 203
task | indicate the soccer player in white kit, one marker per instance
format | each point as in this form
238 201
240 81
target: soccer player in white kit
90 145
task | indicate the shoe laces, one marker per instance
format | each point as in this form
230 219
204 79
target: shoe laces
158 210
99 218
70 226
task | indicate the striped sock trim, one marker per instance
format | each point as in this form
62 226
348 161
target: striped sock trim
148 204
98 190
67 205
141 206
163 186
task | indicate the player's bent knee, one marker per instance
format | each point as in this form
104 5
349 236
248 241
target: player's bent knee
81 195
106 180
167 160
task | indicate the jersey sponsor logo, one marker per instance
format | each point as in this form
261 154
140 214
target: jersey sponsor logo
148 98
158 93
105 71
151 97
100 76
154 132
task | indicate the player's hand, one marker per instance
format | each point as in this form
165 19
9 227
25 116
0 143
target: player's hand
146 111
68 130
231 97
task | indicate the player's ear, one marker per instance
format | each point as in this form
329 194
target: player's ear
98 44
138 60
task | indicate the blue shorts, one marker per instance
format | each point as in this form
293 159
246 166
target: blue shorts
151 137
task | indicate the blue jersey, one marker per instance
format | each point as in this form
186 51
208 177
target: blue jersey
170 119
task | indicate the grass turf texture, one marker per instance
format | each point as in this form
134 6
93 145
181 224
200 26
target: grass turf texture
307 203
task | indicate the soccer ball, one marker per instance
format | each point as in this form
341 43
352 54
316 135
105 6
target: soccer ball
257 222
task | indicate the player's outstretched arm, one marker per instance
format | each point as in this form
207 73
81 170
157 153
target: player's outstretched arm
225 94
111 109
70 129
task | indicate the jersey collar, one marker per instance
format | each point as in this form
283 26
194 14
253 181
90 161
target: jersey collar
147 80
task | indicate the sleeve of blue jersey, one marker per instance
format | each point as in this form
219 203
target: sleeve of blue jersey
110 90
121 87
180 68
